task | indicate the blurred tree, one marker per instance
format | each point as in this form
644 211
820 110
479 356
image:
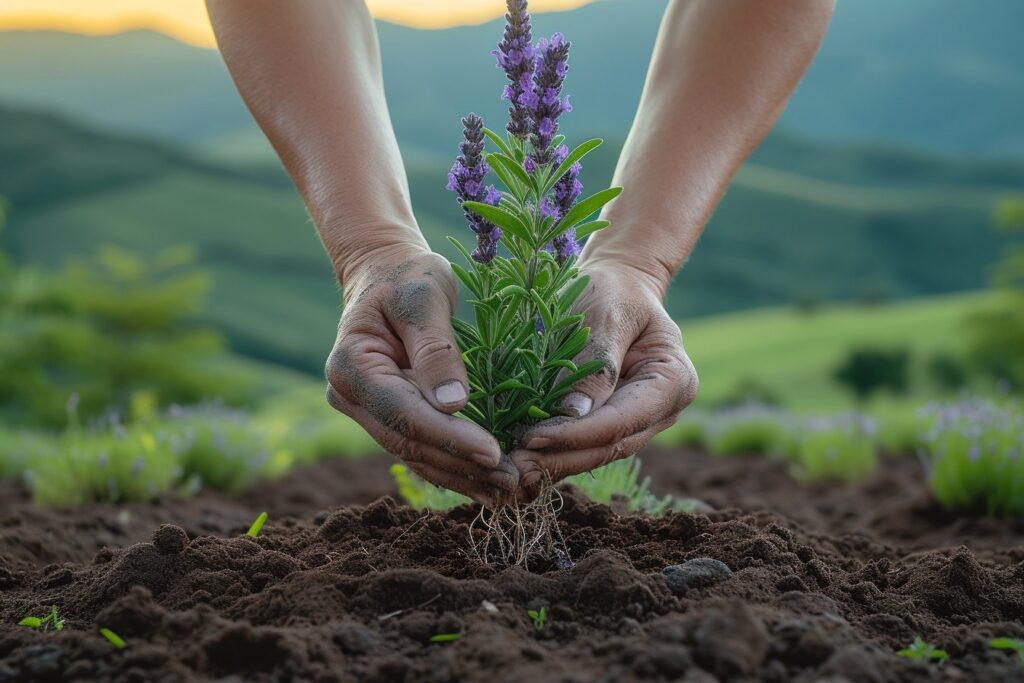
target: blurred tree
997 344
92 336
947 371
868 371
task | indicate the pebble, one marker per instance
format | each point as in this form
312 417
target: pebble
700 572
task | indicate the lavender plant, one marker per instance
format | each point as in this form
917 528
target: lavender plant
519 351
974 453
839 447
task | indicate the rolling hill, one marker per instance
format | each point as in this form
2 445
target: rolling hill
938 74
802 221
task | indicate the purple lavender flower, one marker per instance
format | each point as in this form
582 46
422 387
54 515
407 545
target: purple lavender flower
547 105
516 55
566 191
466 180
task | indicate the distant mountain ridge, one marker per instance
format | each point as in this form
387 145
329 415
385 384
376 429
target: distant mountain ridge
938 74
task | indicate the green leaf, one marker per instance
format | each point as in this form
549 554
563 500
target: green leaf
1006 644
462 250
588 206
257 526
566 364
510 384
467 278
501 162
571 293
591 227
559 139
31 622
503 219
114 639
582 372
467 332
573 345
498 142
542 309
583 150
537 414
568 321
445 637
512 289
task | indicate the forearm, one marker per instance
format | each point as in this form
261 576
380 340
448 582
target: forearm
720 76
310 73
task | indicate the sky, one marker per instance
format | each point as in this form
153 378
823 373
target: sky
186 19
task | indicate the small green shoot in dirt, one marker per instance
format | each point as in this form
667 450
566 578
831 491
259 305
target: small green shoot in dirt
1014 644
540 617
919 649
257 526
51 620
115 640
445 637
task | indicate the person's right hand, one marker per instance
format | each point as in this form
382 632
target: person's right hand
397 371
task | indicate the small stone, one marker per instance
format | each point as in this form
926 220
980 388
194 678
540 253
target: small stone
170 539
355 639
42 662
697 573
489 607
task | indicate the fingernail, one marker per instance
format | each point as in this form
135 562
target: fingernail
577 404
450 392
538 443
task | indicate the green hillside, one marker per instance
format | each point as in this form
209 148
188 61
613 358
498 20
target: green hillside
939 74
794 354
817 228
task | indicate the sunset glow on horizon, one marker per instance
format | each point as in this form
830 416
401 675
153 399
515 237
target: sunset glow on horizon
186 19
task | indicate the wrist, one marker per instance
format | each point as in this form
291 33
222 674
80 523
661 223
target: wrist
649 274
357 246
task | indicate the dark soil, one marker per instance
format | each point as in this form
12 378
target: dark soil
783 581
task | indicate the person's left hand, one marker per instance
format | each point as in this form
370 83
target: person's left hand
647 381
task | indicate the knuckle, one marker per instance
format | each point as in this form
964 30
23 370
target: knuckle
340 366
433 351
406 449
689 383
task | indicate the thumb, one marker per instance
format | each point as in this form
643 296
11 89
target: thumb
435 362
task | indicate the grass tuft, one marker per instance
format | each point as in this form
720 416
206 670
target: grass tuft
114 639
257 526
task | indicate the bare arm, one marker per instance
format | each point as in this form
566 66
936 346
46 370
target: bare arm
309 70
310 73
720 76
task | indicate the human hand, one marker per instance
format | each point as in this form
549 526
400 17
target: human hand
647 381
397 371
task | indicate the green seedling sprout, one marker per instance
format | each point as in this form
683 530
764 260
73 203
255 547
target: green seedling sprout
1014 644
922 650
115 640
51 620
540 617
257 526
445 637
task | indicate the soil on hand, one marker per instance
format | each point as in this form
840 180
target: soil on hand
783 582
